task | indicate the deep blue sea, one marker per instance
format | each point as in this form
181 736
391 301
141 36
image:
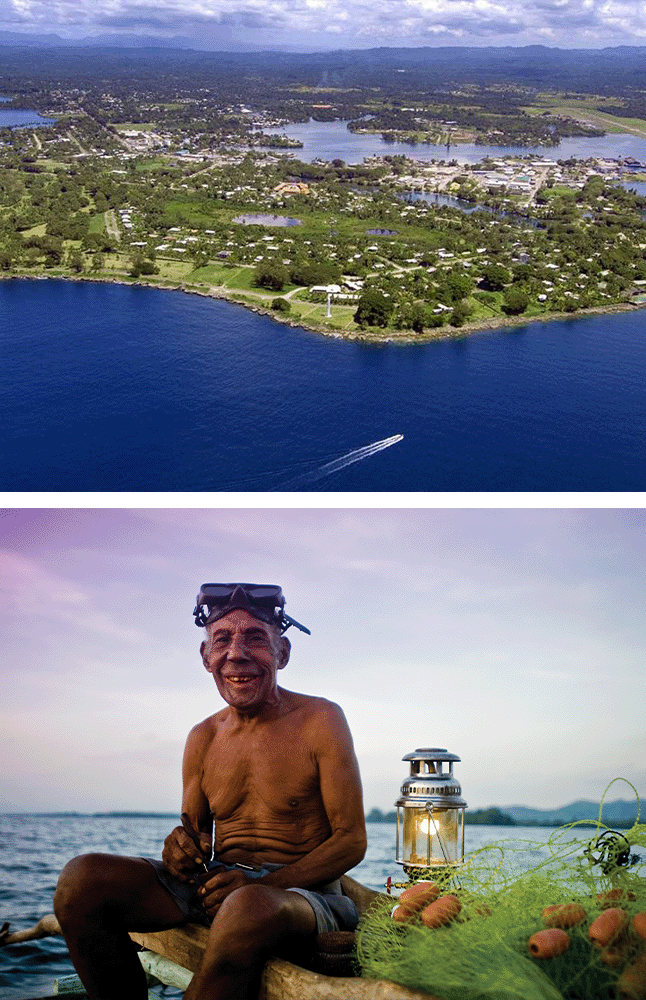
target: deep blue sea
119 388
34 849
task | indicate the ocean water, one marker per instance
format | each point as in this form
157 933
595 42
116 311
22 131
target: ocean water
34 849
108 387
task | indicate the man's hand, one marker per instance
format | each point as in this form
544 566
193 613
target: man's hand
215 891
180 855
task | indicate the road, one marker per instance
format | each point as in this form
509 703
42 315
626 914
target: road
111 225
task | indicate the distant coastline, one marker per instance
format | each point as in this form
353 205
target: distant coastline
619 813
479 817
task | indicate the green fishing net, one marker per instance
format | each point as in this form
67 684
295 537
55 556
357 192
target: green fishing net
483 954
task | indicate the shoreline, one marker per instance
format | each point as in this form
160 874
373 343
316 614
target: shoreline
403 337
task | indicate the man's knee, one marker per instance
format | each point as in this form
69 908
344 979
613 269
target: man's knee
251 921
86 885
252 908
76 884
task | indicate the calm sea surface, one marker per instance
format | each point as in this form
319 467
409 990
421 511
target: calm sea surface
33 849
108 387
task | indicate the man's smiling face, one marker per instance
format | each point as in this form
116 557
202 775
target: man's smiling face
244 654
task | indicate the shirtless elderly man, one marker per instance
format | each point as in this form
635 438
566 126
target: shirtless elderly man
272 795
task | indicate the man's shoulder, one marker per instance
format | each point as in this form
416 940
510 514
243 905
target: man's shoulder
316 708
324 726
204 731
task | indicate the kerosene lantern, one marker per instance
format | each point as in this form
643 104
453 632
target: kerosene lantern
430 815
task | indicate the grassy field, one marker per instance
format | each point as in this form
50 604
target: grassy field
35 231
97 223
136 127
588 110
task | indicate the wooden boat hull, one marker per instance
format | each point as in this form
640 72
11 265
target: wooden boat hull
282 980
180 950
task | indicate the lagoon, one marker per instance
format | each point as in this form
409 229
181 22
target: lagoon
122 388
330 140
22 118
258 219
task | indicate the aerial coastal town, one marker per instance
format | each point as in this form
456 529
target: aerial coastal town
210 196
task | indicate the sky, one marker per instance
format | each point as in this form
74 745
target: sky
319 25
514 638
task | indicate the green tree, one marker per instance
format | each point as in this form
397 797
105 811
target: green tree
422 317
139 265
314 273
461 312
373 308
75 261
281 305
495 277
456 286
271 274
515 300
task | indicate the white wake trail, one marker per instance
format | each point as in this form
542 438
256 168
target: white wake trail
352 456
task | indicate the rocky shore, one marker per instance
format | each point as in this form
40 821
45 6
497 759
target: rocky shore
371 336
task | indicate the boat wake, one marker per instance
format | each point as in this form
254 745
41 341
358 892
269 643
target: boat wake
356 455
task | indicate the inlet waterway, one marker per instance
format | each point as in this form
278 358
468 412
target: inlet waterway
20 117
330 140
119 388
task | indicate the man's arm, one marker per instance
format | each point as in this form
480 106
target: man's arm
180 855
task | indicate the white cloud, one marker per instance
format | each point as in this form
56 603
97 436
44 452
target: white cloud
27 588
585 23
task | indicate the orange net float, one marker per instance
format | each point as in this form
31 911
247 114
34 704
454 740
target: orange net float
549 943
412 900
614 955
564 915
631 984
639 924
613 896
608 926
441 912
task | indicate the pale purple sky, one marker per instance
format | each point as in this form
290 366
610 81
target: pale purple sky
335 24
515 638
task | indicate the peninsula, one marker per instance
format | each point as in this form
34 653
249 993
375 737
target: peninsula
144 176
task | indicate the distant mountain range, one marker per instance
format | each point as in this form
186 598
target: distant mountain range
15 38
618 811
615 70
412 55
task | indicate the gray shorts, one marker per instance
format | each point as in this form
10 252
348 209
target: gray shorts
333 910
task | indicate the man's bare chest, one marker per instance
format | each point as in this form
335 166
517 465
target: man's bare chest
261 771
